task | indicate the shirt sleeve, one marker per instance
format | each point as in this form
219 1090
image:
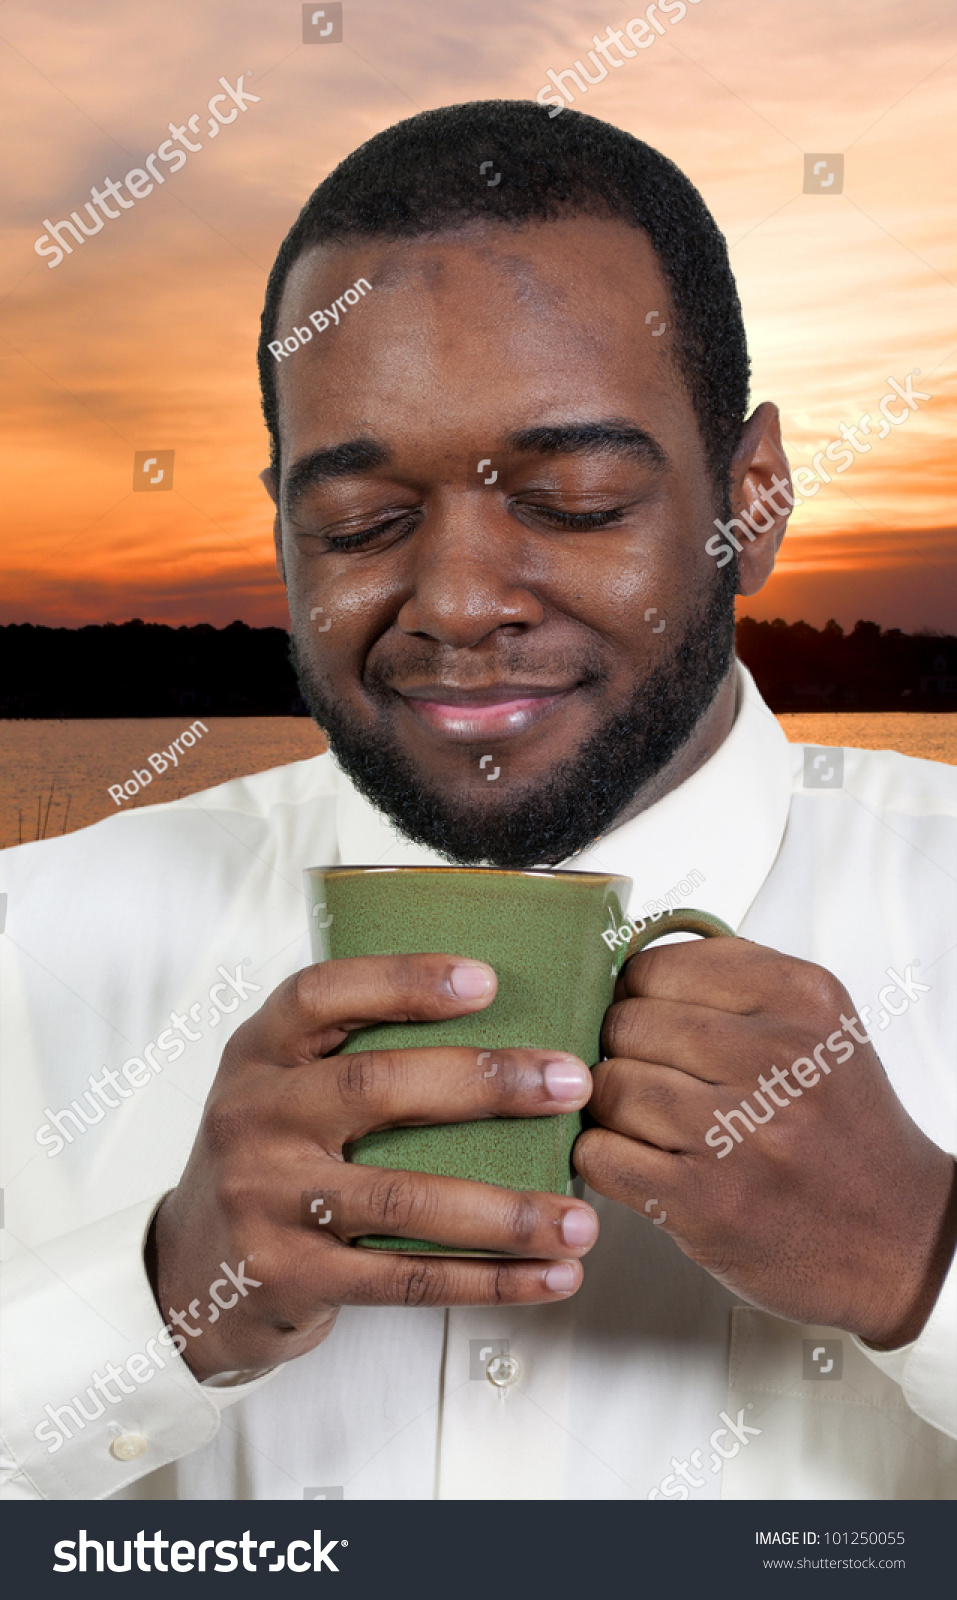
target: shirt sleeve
77 1309
927 1369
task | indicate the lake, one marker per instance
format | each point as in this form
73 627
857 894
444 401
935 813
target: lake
57 776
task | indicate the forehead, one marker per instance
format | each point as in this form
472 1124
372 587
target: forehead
509 320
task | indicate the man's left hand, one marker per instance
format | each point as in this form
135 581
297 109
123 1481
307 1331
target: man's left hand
833 1209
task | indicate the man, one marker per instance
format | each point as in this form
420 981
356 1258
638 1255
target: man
505 423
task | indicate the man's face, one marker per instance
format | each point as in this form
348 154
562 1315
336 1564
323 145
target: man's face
493 512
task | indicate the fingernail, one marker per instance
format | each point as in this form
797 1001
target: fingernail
561 1278
471 982
566 1079
579 1227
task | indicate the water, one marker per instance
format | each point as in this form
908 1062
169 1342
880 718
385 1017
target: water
56 776
932 735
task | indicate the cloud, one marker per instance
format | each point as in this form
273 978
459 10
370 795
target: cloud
145 337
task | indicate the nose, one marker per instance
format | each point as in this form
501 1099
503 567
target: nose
468 578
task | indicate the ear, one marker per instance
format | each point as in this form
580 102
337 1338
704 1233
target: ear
268 481
761 497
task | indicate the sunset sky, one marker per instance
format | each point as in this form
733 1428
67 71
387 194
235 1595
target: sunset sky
143 340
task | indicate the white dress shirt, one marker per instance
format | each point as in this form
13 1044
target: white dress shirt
652 1381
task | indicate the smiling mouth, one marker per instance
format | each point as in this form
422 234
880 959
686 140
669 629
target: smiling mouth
465 715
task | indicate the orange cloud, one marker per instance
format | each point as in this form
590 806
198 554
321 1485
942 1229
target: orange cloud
144 338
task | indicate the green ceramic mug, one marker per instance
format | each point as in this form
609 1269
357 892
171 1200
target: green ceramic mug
557 941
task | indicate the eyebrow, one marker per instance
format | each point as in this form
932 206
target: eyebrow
613 437
341 461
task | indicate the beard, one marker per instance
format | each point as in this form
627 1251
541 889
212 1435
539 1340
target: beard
560 814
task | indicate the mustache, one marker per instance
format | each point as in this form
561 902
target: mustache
459 669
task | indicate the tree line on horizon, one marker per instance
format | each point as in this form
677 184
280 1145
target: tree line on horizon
151 669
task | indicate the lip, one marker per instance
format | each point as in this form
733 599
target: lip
482 713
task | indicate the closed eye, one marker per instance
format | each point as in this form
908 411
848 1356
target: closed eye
577 519
398 526
354 541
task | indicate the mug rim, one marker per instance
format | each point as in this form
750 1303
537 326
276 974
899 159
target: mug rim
500 872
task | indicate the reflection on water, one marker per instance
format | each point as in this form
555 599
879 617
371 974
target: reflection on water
930 735
56 776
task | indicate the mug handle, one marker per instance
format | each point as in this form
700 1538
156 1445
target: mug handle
688 921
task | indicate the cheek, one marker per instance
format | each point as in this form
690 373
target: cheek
337 616
658 562
635 601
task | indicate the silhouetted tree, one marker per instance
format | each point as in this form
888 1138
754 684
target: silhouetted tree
148 669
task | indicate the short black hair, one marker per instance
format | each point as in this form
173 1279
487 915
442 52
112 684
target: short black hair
422 177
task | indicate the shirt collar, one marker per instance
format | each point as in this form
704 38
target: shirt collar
722 827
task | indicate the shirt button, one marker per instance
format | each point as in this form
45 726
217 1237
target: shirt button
127 1446
503 1371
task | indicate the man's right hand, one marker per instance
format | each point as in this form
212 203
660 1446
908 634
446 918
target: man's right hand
278 1115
